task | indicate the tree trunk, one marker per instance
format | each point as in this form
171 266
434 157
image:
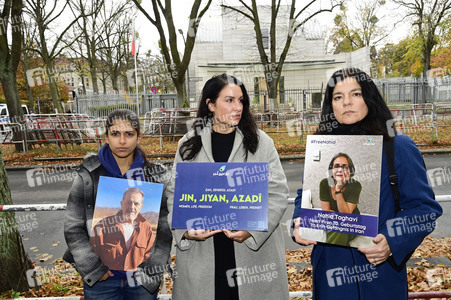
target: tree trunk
182 97
14 262
426 66
104 82
29 94
427 61
8 81
272 83
93 72
53 88
114 78
9 60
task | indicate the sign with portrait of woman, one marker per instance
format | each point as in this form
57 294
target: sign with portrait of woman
340 203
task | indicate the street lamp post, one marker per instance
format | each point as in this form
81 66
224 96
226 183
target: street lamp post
187 69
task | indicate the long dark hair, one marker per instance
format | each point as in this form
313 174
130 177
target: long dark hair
247 125
377 121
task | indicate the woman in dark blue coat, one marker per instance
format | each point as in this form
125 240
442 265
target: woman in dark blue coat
353 106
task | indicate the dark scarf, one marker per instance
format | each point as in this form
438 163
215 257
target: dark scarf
109 162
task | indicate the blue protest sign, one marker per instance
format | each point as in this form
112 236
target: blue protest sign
214 196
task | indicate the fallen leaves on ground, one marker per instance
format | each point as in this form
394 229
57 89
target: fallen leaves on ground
434 247
286 142
62 280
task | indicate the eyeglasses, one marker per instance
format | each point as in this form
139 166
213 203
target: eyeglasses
343 167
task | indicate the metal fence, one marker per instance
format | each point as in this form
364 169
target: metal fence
415 90
61 129
408 90
102 105
64 129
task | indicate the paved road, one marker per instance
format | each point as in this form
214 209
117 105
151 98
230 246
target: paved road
44 230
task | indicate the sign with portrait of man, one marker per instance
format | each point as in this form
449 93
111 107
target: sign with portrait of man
125 220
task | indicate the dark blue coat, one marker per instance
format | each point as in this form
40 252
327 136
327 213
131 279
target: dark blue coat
345 273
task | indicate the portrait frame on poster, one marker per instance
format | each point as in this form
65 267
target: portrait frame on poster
125 221
341 172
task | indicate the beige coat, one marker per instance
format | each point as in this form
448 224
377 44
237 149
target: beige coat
261 257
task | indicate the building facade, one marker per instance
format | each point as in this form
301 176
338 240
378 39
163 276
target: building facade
229 46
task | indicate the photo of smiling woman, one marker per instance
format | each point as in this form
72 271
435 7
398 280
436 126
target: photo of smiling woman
224 264
340 193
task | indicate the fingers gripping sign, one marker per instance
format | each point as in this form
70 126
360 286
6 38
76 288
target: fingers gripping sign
297 234
378 253
199 234
237 236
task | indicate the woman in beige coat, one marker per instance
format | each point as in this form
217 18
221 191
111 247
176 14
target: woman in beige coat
230 264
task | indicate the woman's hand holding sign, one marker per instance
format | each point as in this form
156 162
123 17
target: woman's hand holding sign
378 253
199 234
297 235
237 236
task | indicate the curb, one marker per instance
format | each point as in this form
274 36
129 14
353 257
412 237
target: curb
168 158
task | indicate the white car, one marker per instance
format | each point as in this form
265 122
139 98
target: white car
5 130
4 110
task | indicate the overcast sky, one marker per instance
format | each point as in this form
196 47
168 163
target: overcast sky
148 35
181 9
